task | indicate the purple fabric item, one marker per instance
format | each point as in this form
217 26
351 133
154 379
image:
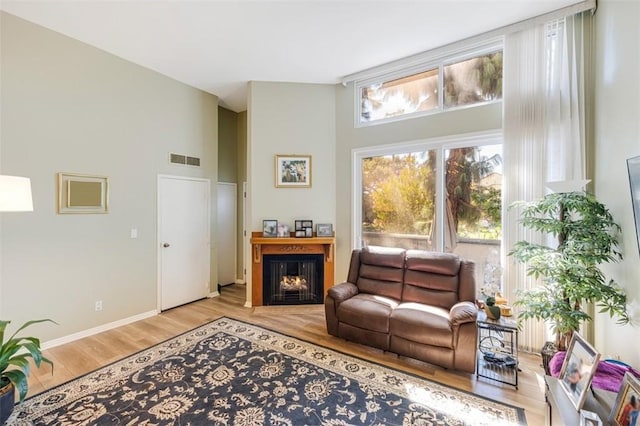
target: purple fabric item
608 376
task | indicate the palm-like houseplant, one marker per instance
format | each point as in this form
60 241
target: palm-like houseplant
587 237
15 353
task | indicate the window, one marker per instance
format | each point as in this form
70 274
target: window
406 95
443 195
398 199
473 81
449 82
473 184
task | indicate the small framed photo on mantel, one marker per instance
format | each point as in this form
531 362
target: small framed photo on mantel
269 228
304 228
324 230
283 230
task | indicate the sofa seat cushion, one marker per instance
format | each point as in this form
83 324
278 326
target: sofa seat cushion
367 311
421 323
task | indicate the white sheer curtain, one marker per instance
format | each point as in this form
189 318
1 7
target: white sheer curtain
544 132
567 59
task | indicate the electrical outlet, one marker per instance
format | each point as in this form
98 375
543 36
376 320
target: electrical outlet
98 305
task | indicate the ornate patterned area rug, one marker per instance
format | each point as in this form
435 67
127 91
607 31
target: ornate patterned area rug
231 372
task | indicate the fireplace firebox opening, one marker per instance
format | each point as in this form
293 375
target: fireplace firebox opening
293 279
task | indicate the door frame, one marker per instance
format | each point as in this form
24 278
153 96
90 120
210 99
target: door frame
159 227
235 230
245 234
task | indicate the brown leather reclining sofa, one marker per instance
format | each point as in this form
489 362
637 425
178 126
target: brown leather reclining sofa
414 303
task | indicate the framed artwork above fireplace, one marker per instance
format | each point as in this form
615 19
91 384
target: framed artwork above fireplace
293 171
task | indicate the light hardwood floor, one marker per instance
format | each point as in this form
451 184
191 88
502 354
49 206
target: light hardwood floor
82 356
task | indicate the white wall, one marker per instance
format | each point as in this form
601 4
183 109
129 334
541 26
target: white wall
617 138
290 118
69 107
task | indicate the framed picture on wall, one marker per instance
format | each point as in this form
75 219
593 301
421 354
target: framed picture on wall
293 171
79 193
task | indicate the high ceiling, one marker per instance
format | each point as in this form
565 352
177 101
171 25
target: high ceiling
218 46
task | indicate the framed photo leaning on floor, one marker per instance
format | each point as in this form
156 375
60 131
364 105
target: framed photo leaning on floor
577 370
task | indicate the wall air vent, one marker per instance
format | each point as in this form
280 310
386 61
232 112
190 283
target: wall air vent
184 160
178 159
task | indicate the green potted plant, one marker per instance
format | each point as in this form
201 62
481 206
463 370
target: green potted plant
587 236
491 309
14 365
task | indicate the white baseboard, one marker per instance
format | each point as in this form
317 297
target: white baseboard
247 304
214 294
95 330
239 281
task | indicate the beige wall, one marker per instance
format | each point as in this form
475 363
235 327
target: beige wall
617 138
69 107
468 120
227 146
291 118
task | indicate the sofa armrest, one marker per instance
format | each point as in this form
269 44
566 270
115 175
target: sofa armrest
463 317
342 292
463 312
336 295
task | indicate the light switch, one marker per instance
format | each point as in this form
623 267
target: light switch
134 233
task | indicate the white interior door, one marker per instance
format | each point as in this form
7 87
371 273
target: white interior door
184 210
226 233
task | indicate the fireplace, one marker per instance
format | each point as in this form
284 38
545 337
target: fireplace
263 248
293 279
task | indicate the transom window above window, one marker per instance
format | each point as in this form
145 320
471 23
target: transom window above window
473 81
406 95
450 83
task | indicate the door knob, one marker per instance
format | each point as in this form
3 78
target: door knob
166 245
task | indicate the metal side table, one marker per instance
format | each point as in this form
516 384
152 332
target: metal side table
497 357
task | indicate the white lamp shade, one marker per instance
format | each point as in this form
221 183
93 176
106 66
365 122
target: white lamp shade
567 185
15 194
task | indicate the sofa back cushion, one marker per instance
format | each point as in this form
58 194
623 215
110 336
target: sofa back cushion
432 278
381 271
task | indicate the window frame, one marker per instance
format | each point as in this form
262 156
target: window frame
436 62
440 145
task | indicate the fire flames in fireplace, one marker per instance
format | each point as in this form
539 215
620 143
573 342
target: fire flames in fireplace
293 283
